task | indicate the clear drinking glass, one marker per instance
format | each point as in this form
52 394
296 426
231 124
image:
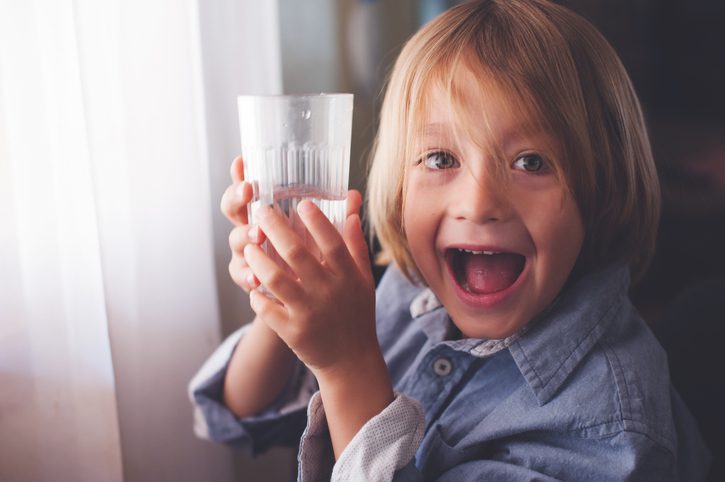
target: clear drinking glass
296 147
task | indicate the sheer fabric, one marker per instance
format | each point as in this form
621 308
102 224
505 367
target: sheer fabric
108 297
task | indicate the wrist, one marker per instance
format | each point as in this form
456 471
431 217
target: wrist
352 375
265 335
352 395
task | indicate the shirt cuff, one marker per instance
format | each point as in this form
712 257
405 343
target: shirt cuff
206 391
385 444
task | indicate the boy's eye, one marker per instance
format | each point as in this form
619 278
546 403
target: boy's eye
439 160
531 163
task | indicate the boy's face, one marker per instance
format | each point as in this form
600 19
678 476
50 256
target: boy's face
494 257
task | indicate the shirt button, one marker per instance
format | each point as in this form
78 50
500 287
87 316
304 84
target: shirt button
442 366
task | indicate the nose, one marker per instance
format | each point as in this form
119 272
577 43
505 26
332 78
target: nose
482 198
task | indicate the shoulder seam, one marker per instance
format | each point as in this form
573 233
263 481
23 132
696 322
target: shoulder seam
619 383
621 386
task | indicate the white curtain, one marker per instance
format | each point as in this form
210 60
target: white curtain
108 291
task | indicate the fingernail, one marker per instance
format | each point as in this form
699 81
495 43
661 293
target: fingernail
247 249
239 191
252 281
253 234
305 207
264 211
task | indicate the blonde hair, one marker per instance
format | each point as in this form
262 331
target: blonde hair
558 69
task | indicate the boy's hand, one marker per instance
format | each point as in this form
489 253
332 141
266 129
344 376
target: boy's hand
327 313
234 206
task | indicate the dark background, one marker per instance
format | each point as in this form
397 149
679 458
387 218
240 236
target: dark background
675 54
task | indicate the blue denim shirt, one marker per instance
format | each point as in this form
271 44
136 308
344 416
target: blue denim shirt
583 393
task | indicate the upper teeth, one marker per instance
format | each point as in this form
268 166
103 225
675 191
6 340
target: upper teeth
472 251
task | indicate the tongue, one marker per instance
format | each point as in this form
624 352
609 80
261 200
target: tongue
486 274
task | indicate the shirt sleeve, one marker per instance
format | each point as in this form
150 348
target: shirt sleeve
281 423
385 444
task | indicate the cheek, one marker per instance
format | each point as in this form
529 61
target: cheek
555 225
415 221
419 221
414 207
557 232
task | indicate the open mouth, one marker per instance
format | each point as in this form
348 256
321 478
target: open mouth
484 272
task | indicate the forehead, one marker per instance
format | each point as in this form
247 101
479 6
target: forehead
474 106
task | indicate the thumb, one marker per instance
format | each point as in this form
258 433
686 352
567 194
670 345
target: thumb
237 170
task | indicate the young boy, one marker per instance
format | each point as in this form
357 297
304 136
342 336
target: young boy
513 188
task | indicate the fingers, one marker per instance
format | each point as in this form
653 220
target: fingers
237 170
234 206
289 246
268 310
326 236
238 195
243 235
234 202
353 235
242 274
238 268
354 201
339 252
355 241
282 284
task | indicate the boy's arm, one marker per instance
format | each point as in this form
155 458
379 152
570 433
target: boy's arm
353 396
258 371
251 390
279 423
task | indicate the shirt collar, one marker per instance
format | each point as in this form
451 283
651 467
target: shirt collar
549 348
555 343
423 303
437 325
